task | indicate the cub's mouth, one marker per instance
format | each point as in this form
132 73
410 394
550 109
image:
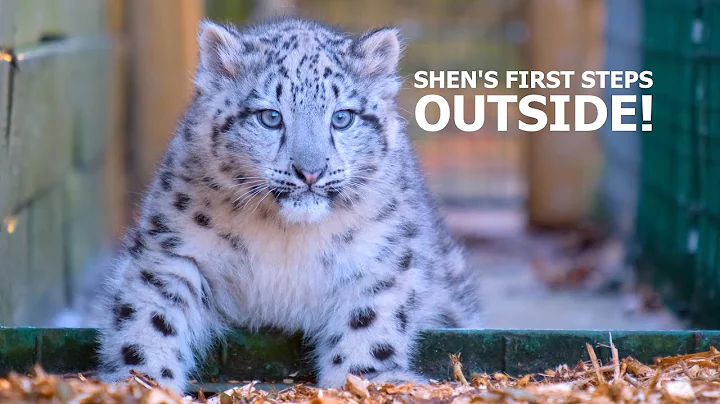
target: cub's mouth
280 194
304 207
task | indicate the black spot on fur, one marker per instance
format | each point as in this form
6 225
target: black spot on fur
185 281
386 211
167 373
248 47
181 201
373 121
137 245
244 113
346 237
382 286
333 194
122 313
215 139
409 230
334 340
383 351
151 279
402 318
202 220
362 318
161 324
171 243
235 241
160 285
225 168
205 295
405 261
227 125
187 134
191 162
337 360
387 248
131 355
327 260
168 160
166 180
159 224
448 320
210 183
362 370
278 91
412 301
336 91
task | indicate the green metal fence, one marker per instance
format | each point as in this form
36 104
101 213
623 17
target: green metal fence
678 218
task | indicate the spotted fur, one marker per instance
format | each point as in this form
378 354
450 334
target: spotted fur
231 234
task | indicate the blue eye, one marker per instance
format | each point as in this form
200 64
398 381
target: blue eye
270 118
342 119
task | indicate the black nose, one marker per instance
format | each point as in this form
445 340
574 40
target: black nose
308 177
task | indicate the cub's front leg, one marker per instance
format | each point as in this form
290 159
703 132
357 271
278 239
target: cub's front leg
158 315
368 336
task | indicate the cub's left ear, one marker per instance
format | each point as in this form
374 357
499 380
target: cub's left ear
380 51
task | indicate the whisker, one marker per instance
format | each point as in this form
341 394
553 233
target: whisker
261 200
247 191
250 193
247 183
250 198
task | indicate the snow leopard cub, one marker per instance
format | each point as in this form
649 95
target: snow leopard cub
290 197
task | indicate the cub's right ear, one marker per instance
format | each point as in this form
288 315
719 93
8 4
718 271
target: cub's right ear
219 47
380 52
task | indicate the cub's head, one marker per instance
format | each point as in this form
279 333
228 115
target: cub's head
302 117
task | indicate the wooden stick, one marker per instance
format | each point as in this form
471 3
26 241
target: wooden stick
595 363
457 369
616 359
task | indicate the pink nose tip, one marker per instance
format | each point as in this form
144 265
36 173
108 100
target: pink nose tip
308 177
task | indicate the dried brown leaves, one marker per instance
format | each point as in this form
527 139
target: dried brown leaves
683 378
44 388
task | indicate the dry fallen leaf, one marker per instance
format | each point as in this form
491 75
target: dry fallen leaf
693 377
457 368
357 386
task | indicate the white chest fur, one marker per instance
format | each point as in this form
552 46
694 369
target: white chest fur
283 276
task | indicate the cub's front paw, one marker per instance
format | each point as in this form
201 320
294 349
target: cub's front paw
172 385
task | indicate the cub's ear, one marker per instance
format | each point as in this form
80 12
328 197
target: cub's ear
219 49
380 51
